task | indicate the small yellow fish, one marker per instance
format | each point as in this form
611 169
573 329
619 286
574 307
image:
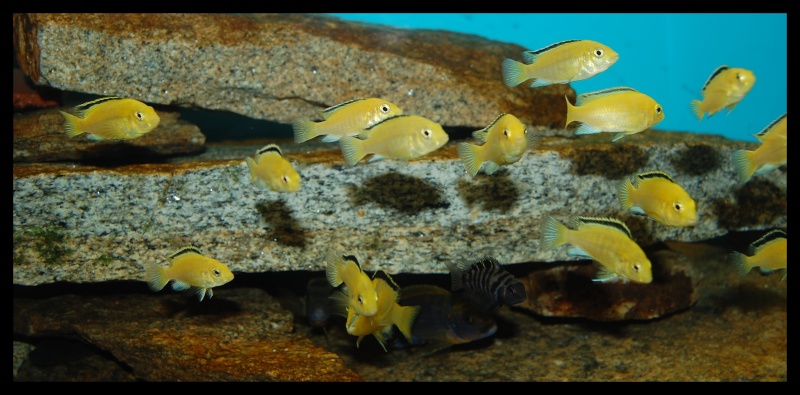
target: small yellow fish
620 110
505 140
111 118
725 88
768 253
345 119
189 270
607 241
655 195
389 312
401 137
560 63
272 171
770 155
363 299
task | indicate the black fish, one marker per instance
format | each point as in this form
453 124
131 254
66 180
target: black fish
485 282
318 309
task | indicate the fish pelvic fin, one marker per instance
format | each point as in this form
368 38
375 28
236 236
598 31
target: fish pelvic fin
553 234
744 166
304 130
624 194
513 72
618 136
156 277
470 155
352 149
697 109
72 124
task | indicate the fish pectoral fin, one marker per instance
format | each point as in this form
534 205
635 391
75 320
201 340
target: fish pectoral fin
352 321
637 211
578 252
618 136
94 137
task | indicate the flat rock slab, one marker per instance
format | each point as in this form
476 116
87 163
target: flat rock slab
82 223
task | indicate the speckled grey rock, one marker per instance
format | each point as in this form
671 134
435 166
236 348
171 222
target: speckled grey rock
279 67
91 224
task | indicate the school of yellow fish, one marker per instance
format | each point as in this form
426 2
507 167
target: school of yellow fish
375 305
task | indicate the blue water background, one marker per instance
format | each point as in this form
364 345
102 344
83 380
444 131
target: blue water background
666 56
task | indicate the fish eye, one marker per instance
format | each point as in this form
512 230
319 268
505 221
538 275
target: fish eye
599 52
658 109
506 132
427 133
525 131
678 207
384 108
285 179
360 299
636 267
217 273
739 77
468 318
139 115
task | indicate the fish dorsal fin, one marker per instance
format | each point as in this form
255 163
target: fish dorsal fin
269 148
387 120
332 109
714 75
354 259
769 237
380 274
611 223
482 262
531 56
760 135
186 250
483 134
591 96
81 109
654 174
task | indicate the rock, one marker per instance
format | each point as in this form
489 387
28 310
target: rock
279 67
567 290
241 334
27 96
39 137
85 223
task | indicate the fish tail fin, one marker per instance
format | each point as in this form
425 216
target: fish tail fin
304 130
405 320
532 140
513 72
744 165
72 124
553 234
155 275
469 155
741 261
624 194
697 109
570 112
352 149
251 165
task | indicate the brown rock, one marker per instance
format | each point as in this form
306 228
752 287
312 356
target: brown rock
27 96
279 67
39 137
239 335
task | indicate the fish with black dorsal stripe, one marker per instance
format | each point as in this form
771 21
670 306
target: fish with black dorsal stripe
486 282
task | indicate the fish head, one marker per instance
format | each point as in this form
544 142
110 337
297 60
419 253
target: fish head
289 181
681 213
603 57
363 296
467 323
432 137
382 109
215 275
514 293
636 267
743 80
658 114
512 136
144 119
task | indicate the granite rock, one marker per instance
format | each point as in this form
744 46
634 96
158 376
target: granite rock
279 67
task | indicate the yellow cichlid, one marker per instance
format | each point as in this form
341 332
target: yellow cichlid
110 118
389 312
768 253
505 140
345 119
620 110
270 170
560 63
401 137
189 270
725 88
655 195
345 269
770 155
607 241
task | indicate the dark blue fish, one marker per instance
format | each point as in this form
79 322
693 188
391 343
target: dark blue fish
444 319
317 306
487 283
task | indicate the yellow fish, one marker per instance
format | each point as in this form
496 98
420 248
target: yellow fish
770 155
622 110
505 140
655 195
389 312
362 297
111 118
725 88
272 171
607 241
560 63
768 253
189 270
401 137
345 119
